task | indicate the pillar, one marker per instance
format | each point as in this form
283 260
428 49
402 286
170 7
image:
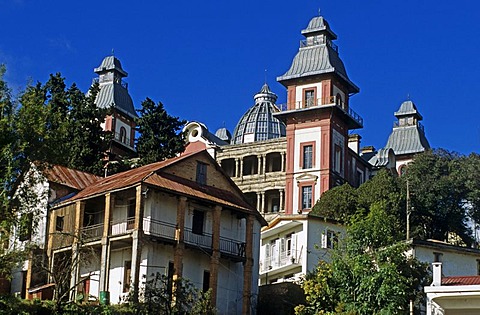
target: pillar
79 211
137 241
105 256
247 269
179 237
282 167
264 164
241 167
215 259
236 167
259 166
259 200
280 206
263 202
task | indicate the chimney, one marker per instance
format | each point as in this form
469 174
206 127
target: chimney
368 149
354 142
437 274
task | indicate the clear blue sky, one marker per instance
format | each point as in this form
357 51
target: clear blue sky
206 59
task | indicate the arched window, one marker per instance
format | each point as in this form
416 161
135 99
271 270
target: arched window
123 135
338 100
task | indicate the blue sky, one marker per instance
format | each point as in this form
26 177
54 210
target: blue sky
206 59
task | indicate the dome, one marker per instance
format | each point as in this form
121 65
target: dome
258 123
224 134
110 63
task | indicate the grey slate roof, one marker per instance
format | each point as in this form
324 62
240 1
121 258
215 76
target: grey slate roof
408 108
407 140
223 134
115 94
111 63
380 159
319 58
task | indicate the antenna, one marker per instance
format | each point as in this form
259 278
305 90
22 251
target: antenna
408 96
319 12
113 52
265 76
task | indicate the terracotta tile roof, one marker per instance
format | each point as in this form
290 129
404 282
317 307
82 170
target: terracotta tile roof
461 280
70 177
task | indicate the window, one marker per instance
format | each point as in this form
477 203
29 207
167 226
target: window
306 197
206 280
329 239
288 240
197 222
59 221
201 173
307 156
337 159
127 271
170 279
309 97
131 214
123 135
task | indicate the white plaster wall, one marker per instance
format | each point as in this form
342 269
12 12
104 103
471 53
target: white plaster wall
160 206
118 124
231 226
302 136
256 257
299 93
159 255
453 264
316 253
194 263
229 287
115 280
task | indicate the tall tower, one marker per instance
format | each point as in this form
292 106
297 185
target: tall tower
317 117
114 94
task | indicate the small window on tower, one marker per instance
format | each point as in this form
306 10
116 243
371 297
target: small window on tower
306 197
123 135
307 156
309 98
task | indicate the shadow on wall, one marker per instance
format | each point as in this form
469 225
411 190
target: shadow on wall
279 298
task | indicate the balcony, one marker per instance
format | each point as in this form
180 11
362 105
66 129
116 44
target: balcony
159 229
122 226
280 261
319 103
123 139
92 232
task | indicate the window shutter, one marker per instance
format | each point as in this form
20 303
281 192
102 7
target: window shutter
324 239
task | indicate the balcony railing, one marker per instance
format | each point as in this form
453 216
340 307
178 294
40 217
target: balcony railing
397 124
109 78
318 41
202 240
315 103
92 232
232 247
122 226
123 139
159 228
283 259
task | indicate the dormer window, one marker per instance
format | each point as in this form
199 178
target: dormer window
123 135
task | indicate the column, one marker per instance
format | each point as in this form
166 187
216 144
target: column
282 165
264 163
281 207
259 200
79 211
215 259
180 245
263 202
237 165
247 269
259 166
105 257
241 167
137 241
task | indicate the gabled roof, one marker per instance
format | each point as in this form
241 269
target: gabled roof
69 177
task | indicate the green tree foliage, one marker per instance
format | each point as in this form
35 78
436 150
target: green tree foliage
159 138
369 274
157 298
339 203
440 193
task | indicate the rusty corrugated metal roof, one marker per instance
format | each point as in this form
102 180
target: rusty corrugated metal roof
152 174
461 280
69 177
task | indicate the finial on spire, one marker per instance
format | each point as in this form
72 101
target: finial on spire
113 52
265 76
319 11
408 96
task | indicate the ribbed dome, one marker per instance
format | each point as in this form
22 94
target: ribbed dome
224 134
258 123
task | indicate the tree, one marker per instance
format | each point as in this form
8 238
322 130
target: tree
339 203
439 196
369 274
159 138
